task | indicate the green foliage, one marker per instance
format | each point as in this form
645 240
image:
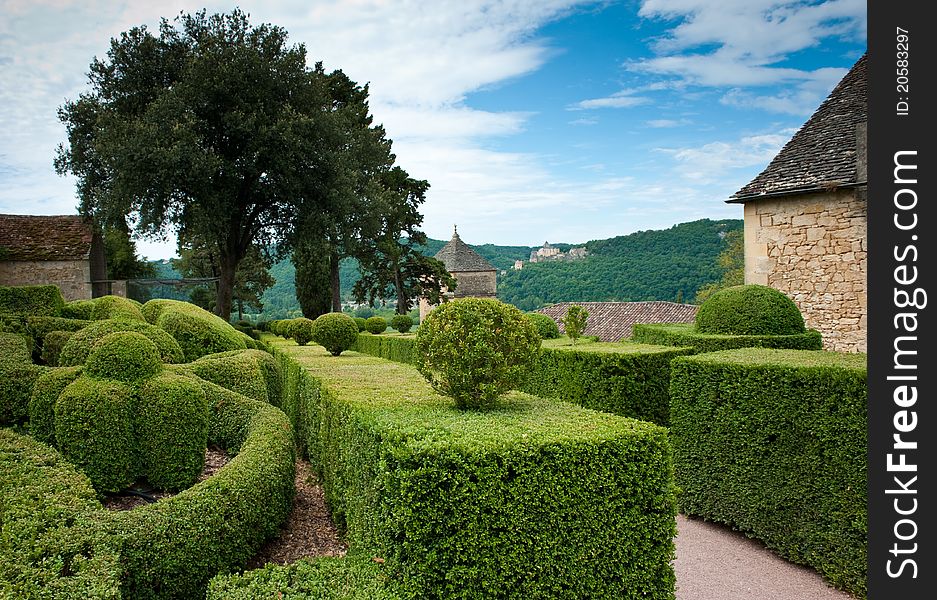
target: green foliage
76 349
48 387
574 323
36 300
301 330
78 309
39 327
546 326
631 380
392 347
774 443
50 547
749 310
14 349
685 334
171 425
198 331
252 373
52 345
336 332
375 325
475 349
732 263
125 356
402 323
311 278
16 385
362 323
494 504
94 430
121 256
116 307
351 577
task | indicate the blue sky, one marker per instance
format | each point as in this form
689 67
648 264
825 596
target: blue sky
532 120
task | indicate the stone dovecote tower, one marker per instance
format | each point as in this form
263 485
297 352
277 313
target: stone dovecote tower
475 276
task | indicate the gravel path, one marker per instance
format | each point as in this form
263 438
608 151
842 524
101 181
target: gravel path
716 563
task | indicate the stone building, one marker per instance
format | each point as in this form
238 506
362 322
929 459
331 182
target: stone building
806 217
61 250
475 277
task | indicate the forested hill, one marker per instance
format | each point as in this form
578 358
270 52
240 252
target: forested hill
669 264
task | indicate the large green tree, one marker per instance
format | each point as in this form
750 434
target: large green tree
389 258
213 128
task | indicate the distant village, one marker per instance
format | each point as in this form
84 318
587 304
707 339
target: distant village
549 252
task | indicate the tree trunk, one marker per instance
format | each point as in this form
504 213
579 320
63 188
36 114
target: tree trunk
228 264
336 282
403 302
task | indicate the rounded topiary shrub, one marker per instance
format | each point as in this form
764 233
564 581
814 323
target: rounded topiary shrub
475 349
301 330
362 323
401 323
78 309
336 332
198 331
125 356
76 349
52 345
116 307
749 310
46 390
375 324
171 422
545 325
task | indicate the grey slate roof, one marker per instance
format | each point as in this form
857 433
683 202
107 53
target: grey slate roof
460 258
31 237
822 154
612 321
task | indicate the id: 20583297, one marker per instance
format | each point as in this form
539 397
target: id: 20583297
902 71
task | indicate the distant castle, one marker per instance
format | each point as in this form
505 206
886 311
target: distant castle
549 252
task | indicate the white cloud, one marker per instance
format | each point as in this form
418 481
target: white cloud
619 100
666 123
711 162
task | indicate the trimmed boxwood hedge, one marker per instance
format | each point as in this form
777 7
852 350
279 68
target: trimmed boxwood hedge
749 310
253 373
352 577
375 324
116 307
398 348
685 334
47 389
17 377
632 380
76 350
78 309
125 356
39 327
36 300
773 442
198 331
535 499
52 345
50 517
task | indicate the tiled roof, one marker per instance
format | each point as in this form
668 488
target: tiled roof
612 321
30 237
460 258
822 154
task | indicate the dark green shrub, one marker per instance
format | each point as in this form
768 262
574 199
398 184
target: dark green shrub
76 349
171 423
395 348
494 504
336 332
774 443
198 331
749 310
301 330
14 349
52 346
253 373
362 323
685 334
36 300
375 324
51 546
574 323
94 430
116 307
546 326
475 349
125 356
46 391
631 380
17 376
78 309
401 323
39 327
352 577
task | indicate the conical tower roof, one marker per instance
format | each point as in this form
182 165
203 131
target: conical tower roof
459 257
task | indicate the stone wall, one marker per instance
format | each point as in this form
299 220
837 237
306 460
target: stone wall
812 247
72 276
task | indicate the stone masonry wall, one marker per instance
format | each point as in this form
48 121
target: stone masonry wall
72 276
813 248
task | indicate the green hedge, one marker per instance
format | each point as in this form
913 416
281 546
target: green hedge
17 377
39 327
198 331
685 334
78 309
52 345
116 307
627 379
398 348
773 442
749 310
253 373
76 350
50 516
47 389
36 300
353 577
125 356
14 349
534 499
